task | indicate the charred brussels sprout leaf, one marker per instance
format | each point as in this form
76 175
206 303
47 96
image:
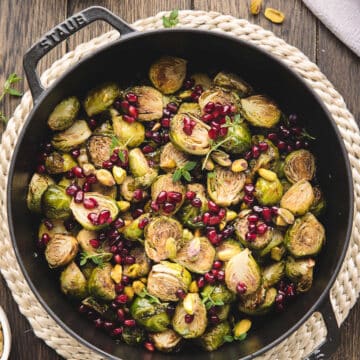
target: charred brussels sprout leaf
38 185
300 272
56 203
101 98
165 341
168 73
64 114
215 336
73 282
132 134
305 237
61 250
150 103
260 111
100 284
299 165
99 149
232 82
268 192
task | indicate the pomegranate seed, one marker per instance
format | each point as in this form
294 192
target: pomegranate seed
79 197
166 113
189 83
138 195
168 208
196 202
217 264
205 218
190 195
214 124
143 222
41 169
241 288
284 131
195 96
154 206
133 112
161 198
273 137
306 144
131 97
45 238
222 213
117 258
261 229
207 117
248 199
49 225
289 148
165 122
281 145
107 164
209 278
172 107
122 299
296 130
263 146
255 151
86 187
108 325
214 220
293 118
113 249
137 212
213 133
48 147
290 291
209 107
98 323
95 243
213 237
221 275
147 149
72 189
116 332
252 227
257 209
200 282
214 319
298 144
90 203
129 260
274 210
125 280
189 318
103 217
214 208
170 309
225 109
91 179
228 231
253 218
124 106
149 346
249 189
129 322
250 236
92 124
266 214
117 104
119 288
129 119
174 197
216 114
83 309
119 223
93 218
223 131
187 130
248 155
180 293
75 153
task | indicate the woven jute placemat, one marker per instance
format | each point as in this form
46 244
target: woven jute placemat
347 286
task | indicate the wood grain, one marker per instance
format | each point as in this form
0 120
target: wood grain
24 21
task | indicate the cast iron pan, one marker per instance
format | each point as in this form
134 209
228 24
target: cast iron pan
127 60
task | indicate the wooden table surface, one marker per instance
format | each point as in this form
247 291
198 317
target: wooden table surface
23 21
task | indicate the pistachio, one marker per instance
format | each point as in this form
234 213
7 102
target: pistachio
123 205
189 302
119 174
267 174
138 287
286 216
193 288
129 292
255 7
116 273
104 177
239 165
88 169
242 327
274 15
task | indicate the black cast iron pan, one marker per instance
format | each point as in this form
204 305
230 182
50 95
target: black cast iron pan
125 61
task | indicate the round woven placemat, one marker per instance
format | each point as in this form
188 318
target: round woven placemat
347 286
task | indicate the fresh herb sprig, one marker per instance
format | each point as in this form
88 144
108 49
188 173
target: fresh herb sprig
184 171
231 338
208 300
152 299
171 20
97 258
9 90
116 143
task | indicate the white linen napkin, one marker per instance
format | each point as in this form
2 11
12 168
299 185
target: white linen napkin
342 17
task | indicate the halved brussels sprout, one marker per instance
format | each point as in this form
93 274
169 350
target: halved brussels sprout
218 95
132 134
165 182
241 229
227 249
61 250
38 185
319 202
64 114
171 158
166 278
197 327
300 272
260 111
58 227
73 282
56 203
197 255
268 192
83 237
127 188
132 231
57 163
165 341
72 137
268 159
99 149
104 128
138 163
190 108
101 98
272 274
133 336
305 237
163 237
277 239
218 294
299 198
260 303
242 268
224 186
299 165
150 103
215 336
232 82
196 143
151 315
239 139
201 79
168 73
141 267
109 191
105 212
100 284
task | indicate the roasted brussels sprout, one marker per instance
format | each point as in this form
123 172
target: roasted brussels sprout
133 231
127 188
109 191
239 138
58 227
299 198
73 282
300 272
61 250
277 239
99 217
224 186
100 284
57 163
168 73
196 143
215 336
132 134
197 255
299 165
241 229
190 108
201 79
83 237
163 237
138 163
305 237
218 95
133 336
227 249
150 103
259 303
38 185
165 341
99 149
166 182
218 294
232 82
272 274
268 159
268 192
141 267
242 268
166 278
319 202
151 315
198 325
64 114
56 203
260 111
72 137
171 158
101 98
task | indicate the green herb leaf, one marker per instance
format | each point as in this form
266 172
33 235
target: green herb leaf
177 175
184 171
14 92
152 299
171 20
241 337
190 165
306 135
114 143
98 258
7 89
228 338
186 175
174 14
3 118
121 156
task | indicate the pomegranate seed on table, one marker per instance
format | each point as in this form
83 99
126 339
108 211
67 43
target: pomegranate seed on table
248 199
207 117
209 107
107 164
252 227
119 223
213 236
273 137
255 151
147 149
119 288
132 111
281 145
266 214
217 264
113 249
108 325
214 220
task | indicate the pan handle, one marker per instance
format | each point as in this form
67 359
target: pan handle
61 32
332 341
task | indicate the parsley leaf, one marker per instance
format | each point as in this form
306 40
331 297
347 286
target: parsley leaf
97 258
171 20
184 171
9 90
